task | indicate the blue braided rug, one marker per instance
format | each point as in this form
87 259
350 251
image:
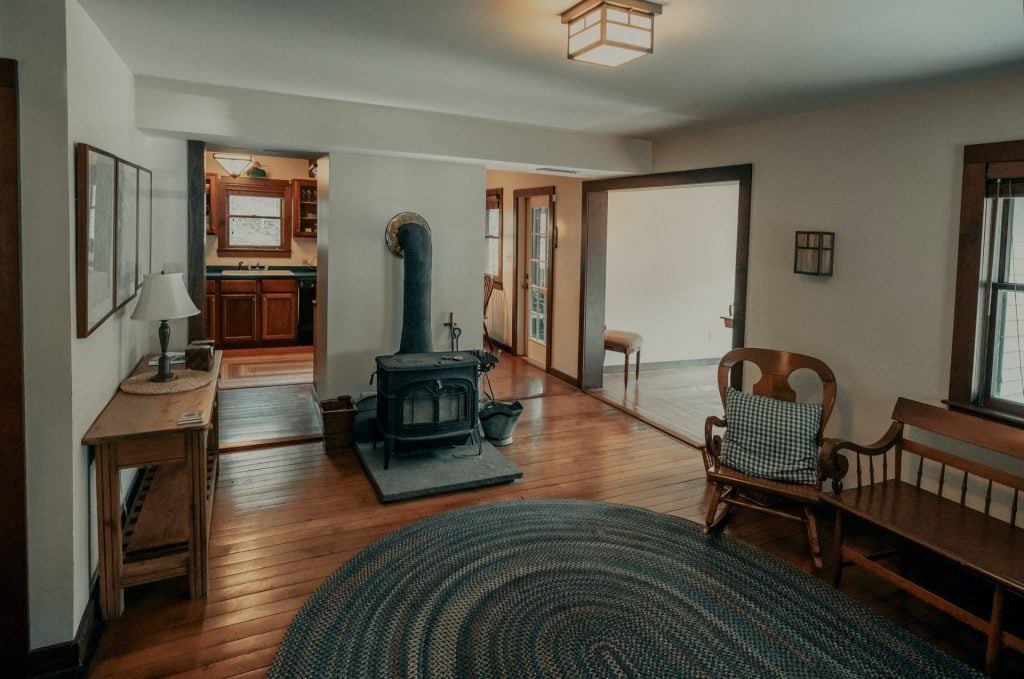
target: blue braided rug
562 588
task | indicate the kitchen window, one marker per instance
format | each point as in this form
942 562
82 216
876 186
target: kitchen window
987 367
256 218
493 233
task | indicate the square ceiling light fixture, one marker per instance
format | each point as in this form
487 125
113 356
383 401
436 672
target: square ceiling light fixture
610 32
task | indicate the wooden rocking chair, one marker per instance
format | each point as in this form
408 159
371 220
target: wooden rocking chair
730 487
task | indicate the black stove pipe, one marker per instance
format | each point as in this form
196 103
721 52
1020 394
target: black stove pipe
415 241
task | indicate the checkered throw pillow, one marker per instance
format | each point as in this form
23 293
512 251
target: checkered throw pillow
771 439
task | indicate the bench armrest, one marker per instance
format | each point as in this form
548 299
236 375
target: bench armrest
834 466
712 442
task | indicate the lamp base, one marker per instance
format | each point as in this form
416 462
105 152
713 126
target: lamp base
163 371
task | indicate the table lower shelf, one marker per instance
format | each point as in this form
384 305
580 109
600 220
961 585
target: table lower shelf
157 528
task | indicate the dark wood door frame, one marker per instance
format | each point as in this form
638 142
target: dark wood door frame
594 260
14 642
517 196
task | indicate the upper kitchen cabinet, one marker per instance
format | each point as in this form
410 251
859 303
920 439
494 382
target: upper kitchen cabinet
211 203
304 207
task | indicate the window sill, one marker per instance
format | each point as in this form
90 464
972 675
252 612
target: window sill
987 413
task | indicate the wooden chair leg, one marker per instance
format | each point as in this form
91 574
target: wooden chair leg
625 375
716 519
837 575
638 366
812 536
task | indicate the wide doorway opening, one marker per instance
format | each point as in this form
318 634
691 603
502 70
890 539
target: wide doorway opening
673 278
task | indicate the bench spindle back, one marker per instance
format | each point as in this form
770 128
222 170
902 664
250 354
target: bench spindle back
955 475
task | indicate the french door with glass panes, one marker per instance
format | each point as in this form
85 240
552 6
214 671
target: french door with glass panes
536 235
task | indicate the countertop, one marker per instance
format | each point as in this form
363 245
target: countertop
218 273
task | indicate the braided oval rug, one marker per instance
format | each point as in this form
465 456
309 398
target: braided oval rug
564 588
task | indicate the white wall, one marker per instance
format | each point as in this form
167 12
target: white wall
73 88
229 115
885 176
671 269
364 278
568 215
33 32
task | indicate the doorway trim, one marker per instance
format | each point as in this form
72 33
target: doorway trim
14 648
594 256
517 267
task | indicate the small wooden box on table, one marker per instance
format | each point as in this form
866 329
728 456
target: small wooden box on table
168 525
955 523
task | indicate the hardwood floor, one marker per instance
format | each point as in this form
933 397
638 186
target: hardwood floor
285 518
266 367
266 416
675 400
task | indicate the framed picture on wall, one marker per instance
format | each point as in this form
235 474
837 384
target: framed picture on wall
145 224
126 257
95 214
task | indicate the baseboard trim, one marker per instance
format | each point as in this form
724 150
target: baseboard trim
565 378
500 346
72 658
665 365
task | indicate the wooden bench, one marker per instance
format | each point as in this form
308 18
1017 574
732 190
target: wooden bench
938 501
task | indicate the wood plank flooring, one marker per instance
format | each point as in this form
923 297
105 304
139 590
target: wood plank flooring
287 517
675 400
266 416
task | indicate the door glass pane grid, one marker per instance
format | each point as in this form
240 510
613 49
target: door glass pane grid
538 330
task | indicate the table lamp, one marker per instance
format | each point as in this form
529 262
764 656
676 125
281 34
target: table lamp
163 298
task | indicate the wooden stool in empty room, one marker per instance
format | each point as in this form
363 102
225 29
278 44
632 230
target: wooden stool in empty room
625 343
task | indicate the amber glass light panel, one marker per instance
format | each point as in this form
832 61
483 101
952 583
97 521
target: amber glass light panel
610 36
814 252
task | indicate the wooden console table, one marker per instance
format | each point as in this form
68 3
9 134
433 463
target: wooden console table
167 530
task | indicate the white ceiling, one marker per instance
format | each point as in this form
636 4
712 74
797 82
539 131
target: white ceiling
715 60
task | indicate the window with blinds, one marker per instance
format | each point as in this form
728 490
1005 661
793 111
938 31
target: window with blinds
493 233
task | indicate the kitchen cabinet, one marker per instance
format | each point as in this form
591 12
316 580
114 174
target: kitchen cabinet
251 312
238 312
211 204
279 311
304 208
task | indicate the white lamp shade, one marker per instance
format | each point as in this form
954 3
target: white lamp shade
234 163
163 297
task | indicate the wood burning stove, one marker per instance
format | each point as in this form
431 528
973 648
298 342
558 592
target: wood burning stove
427 400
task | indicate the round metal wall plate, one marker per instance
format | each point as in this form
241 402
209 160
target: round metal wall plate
398 221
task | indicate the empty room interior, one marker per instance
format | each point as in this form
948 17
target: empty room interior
617 338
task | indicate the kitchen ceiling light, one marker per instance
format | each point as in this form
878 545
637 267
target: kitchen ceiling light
234 163
610 32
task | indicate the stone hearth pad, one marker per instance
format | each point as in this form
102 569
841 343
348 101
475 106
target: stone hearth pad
437 470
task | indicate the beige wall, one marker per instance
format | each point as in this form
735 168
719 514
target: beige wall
885 176
671 269
303 249
566 309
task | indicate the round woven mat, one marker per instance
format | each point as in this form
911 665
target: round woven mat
553 588
187 381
